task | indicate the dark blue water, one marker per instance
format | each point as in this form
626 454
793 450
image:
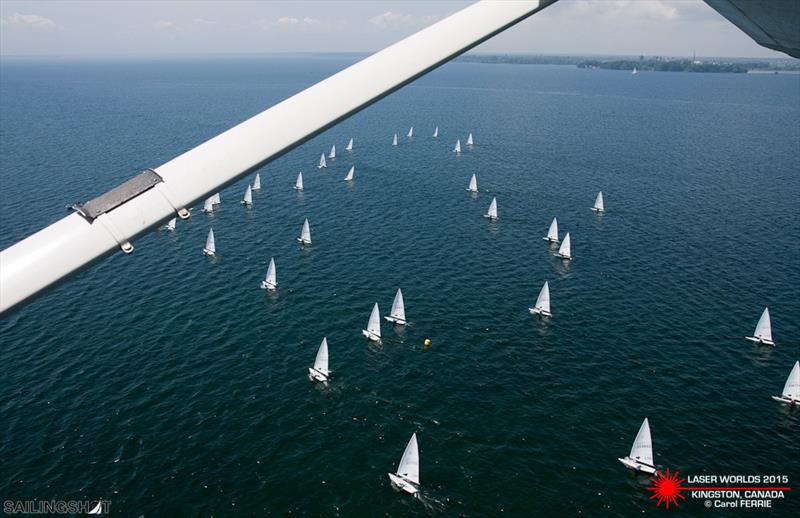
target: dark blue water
170 384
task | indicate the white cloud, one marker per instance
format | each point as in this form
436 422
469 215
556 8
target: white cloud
202 22
162 24
394 20
29 20
288 22
635 9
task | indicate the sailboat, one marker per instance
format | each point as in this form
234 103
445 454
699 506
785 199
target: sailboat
791 391
565 250
332 154
398 313
470 142
208 206
257 182
248 196
305 234
320 372
492 213
457 149
407 476
349 145
634 72
410 132
598 203
210 248
763 332
216 200
552 234
171 224
322 163
436 132
349 177
373 330
542 306
298 185
394 140
473 184
97 509
270 282
641 456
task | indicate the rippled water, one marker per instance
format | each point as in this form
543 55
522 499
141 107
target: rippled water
170 384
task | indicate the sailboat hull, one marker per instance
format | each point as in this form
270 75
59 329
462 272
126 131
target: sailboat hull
206 251
595 209
370 336
315 375
636 466
540 312
303 242
401 483
566 257
550 239
268 286
398 321
492 218
759 340
786 400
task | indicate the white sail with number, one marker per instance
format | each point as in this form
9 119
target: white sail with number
398 312
373 330
641 456
542 306
407 475
763 332
552 233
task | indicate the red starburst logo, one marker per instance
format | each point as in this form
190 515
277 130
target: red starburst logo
667 488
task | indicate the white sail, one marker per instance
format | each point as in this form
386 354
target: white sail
171 224
642 449
763 332
322 163
216 200
457 149
492 213
543 302
565 250
305 234
409 463
792 388
598 203
436 132
373 330
208 206
470 142
394 140
332 154
210 248
321 361
552 234
298 185
257 183
634 72
349 176
248 196
410 132
398 312
349 145
473 184
271 280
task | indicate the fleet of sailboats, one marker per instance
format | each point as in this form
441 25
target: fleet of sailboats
210 248
542 306
373 330
552 233
270 282
492 212
257 182
763 332
565 250
407 475
598 203
473 184
298 184
791 390
305 234
320 372
349 177
398 313
641 456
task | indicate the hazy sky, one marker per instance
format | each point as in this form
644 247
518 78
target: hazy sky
83 28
